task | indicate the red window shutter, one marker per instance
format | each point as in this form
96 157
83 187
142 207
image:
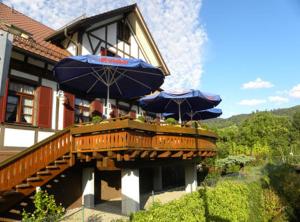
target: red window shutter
3 100
69 106
97 108
44 114
133 114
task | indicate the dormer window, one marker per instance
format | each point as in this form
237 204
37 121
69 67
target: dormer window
123 32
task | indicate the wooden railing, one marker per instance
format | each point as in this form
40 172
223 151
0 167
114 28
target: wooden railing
21 166
127 133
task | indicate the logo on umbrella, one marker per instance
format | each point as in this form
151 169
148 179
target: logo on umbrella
113 61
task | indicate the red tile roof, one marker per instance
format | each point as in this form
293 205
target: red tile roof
36 44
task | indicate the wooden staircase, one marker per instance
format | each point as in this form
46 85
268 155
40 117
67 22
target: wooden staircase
109 144
34 167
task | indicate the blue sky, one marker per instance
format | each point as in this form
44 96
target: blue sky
248 51
252 39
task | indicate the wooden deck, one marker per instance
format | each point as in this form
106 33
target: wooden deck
108 143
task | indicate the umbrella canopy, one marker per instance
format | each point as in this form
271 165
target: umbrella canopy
198 115
179 102
111 77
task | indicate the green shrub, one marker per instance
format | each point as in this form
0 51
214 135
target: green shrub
171 121
96 119
274 209
286 182
228 201
45 209
234 201
189 208
141 119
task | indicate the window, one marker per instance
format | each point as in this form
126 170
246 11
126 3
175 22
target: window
20 103
82 110
123 32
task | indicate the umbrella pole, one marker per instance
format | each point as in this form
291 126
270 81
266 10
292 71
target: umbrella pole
179 112
107 104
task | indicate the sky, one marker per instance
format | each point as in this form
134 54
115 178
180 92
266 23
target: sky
247 51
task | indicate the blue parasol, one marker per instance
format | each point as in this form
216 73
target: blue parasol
198 115
113 77
179 102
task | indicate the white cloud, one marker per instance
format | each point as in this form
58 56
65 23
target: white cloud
252 102
295 92
174 24
257 84
278 99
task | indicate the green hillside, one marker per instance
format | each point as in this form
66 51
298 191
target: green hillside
238 119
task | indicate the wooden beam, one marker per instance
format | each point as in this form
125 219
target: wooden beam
204 153
153 154
126 157
111 153
165 154
97 155
190 154
144 154
177 154
135 153
119 157
104 162
88 158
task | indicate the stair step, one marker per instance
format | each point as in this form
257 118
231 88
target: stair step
66 157
44 172
33 179
9 192
14 211
23 186
60 161
52 167
23 204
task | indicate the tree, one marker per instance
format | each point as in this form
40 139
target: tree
267 129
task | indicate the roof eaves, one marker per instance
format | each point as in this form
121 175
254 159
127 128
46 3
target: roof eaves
89 21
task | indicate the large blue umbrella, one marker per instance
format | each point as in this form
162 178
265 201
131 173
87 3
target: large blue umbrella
198 115
100 76
180 102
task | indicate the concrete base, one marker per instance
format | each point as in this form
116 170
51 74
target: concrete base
190 178
157 179
130 189
88 187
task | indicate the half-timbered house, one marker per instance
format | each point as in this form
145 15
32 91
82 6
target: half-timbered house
81 165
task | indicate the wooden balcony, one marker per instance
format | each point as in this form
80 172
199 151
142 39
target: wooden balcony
110 144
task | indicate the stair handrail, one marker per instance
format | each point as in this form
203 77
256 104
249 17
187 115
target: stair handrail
34 147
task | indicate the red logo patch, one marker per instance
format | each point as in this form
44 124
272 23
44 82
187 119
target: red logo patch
113 61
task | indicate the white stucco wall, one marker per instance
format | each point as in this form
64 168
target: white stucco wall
44 135
18 137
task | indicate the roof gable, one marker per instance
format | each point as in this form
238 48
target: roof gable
134 17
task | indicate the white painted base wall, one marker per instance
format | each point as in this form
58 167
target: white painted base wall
88 187
130 189
18 137
190 178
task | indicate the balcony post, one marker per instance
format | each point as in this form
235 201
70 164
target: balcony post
130 189
157 179
88 187
190 177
